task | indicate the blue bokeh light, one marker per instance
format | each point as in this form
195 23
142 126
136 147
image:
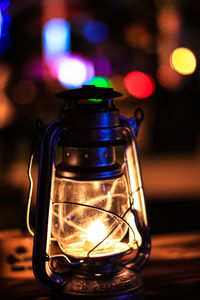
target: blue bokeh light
95 31
56 38
1 23
5 24
4 43
4 4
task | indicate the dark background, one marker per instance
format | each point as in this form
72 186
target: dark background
168 141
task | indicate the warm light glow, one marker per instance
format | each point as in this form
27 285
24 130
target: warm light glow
56 38
24 92
118 84
7 111
183 61
81 229
168 77
4 76
139 84
169 20
136 236
137 36
96 232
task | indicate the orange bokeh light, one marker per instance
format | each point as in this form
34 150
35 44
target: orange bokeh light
167 77
169 20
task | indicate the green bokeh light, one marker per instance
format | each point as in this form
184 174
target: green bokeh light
99 81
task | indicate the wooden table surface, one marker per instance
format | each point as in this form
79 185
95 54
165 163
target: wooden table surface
173 271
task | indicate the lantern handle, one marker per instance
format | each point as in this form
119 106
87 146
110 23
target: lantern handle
30 192
40 129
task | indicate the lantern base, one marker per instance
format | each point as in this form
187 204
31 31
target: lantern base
124 284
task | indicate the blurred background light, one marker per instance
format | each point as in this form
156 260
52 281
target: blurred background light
95 31
118 84
5 24
102 66
169 20
4 4
1 23
183 61
137 36
139 84
5 27
24 92
168 77
100 82
56 38
7 111
5 72
73 70
33 68
4 43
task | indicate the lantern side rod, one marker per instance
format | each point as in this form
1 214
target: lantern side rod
40 256
135 183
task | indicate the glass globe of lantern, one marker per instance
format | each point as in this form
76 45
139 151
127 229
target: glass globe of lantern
85 214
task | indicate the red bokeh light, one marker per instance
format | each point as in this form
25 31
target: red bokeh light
139 84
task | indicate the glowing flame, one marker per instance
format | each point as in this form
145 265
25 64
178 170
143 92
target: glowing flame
96 232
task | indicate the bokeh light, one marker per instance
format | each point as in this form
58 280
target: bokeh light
33 68
168 77
4 4
137 36
100 82
102 66
139 84
95 31
5 24
72 70
183 61
56 38
5 72
1 23
118 84
7 111
24 92
169 20
4 43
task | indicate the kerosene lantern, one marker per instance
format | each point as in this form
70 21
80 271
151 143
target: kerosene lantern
91 234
